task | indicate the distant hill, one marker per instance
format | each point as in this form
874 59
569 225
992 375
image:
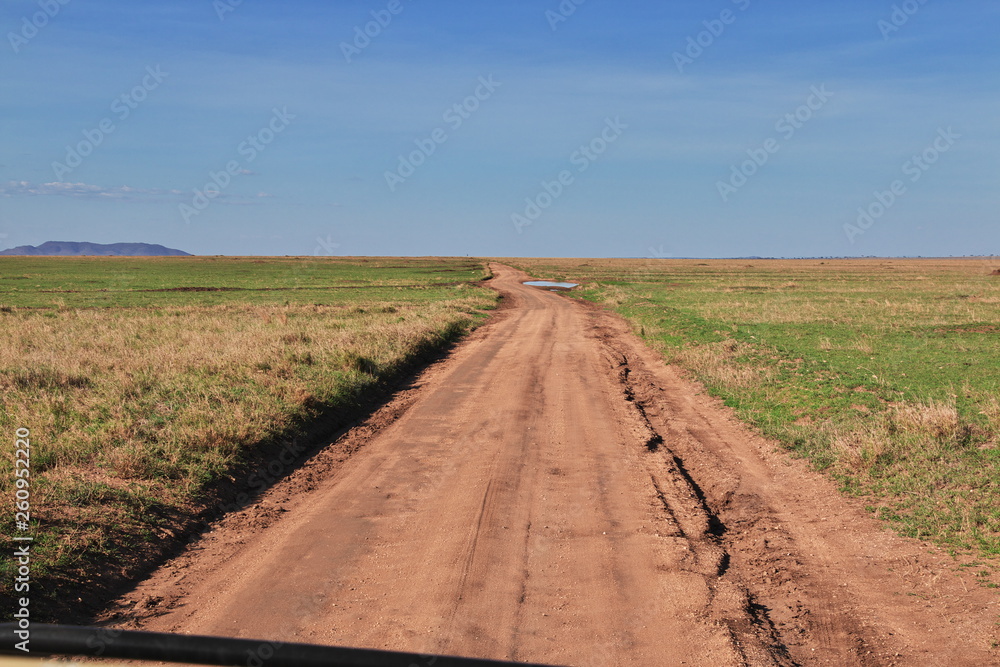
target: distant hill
75 248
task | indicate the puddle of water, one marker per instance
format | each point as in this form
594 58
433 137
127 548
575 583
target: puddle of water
549 283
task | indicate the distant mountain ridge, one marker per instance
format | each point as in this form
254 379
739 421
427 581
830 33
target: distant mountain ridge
81 248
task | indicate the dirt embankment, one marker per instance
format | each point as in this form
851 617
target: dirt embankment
552 492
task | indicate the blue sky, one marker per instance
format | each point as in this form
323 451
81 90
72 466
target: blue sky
711 129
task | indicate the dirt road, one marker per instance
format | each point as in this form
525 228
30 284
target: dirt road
552 492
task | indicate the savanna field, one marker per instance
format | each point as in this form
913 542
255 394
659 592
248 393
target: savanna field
144 381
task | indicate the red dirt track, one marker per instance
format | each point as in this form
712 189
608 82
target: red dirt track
552 492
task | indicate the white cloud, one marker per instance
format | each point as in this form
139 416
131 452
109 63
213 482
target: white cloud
80 190
121 192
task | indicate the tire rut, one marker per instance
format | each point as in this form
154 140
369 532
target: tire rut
686 509
779 611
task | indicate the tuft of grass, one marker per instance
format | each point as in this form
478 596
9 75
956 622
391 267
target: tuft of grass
719 361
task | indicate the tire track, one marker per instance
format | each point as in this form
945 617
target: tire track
686 506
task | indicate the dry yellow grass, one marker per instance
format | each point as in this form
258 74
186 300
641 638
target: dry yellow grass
132 412
98 387
715 362
937 419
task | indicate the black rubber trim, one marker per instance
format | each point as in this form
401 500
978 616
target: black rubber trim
69 640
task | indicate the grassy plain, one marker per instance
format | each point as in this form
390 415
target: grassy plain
144 381
885 373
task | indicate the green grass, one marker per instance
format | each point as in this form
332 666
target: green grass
884 373
141 397
126 282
